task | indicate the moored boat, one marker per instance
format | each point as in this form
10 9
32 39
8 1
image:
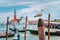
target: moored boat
33 31
55 31
3 35
16 37
19 30
12 29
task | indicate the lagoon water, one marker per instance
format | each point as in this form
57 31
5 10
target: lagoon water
28 35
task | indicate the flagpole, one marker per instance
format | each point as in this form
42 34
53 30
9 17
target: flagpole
7 28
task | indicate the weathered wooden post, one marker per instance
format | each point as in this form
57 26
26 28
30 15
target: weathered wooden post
14 28
25 28
49 27
41 29
7 28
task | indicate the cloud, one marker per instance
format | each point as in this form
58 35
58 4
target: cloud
45 5
21 2
18 3
49 7
3 16
34 8
26 10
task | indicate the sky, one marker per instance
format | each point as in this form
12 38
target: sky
29 8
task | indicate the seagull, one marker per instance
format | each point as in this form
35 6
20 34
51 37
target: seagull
38 15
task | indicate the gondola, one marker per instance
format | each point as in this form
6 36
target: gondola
3 35
12 29
16 37
19 30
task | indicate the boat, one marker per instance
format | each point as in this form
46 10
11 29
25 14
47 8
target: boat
19 30
16 37
54 30
22 30
12 29
33 31
3 35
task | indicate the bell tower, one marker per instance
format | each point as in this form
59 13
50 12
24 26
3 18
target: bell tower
14 14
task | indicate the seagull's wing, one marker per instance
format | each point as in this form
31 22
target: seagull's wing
40 14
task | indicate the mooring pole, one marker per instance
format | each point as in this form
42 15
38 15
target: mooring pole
14 28
25 28
41 29
7 28
48 26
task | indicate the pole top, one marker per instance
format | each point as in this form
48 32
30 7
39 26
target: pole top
40 23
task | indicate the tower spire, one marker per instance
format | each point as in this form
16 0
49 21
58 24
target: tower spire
14 14
14 11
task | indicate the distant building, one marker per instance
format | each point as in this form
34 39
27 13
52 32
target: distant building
15 20
34 22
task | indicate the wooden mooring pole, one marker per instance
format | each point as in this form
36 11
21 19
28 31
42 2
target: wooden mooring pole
25 28
14 28
7 28
41 29
48 26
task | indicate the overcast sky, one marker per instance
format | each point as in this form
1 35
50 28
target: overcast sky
29 8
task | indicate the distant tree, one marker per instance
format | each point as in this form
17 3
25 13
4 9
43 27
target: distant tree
57 20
